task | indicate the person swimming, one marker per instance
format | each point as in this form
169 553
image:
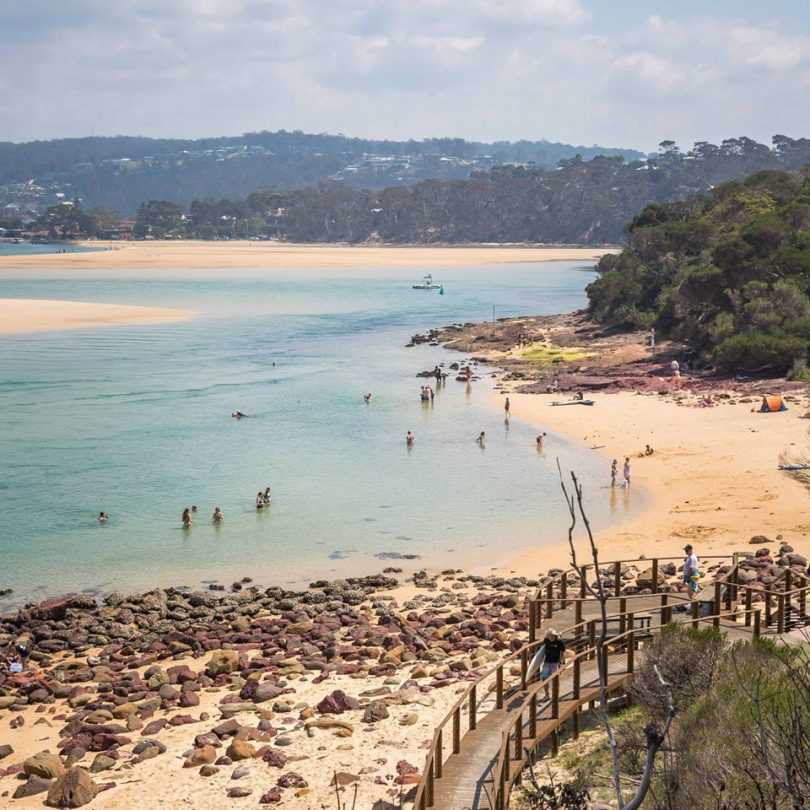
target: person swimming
367 397
187 519
260 500
240 415
409 439
217 518
266 495
103 517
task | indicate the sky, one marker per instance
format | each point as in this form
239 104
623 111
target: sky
621 73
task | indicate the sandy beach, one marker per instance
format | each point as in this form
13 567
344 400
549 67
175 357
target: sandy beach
171 255
713 475
32 315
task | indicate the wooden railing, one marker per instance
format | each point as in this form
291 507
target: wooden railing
522 737
776 607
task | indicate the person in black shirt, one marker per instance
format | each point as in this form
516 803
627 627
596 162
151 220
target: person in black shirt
554 658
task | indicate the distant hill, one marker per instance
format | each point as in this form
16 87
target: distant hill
728 273
122 172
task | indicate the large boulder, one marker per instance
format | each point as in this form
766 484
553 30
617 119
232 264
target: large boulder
222 662
645 578
44 764
74 789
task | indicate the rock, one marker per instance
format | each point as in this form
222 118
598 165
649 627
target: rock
337 703
758 540
240 749
344 729
409 719
44 764
375 711
273 796
240 773
342 778
5 750
645 578
208 770
265 691
275 759
74 789
202 756
102 763
238 792
222 662
34 785
292 780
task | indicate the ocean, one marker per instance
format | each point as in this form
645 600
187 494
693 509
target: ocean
136 421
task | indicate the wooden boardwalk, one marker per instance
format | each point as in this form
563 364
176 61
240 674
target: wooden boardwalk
487 759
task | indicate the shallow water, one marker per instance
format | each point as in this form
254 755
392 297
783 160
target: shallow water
135 421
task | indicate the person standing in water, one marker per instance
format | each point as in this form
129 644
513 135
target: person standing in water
481 438
217 518
614 471
506 408
103 517
187 519
626 471
539 440
409 439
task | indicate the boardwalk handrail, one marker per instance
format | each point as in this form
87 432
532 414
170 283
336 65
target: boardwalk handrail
726 591
505 773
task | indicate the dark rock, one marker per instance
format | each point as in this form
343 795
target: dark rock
275 758
337 703
292 780
376 710
238 792
34 785
273 796
74 789
5 750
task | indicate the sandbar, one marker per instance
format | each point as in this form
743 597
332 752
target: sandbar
174 255
713 475
40 315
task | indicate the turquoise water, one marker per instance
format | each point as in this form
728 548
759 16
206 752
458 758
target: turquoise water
135 421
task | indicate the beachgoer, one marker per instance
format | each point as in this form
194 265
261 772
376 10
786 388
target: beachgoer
103 517
539 441
367 397
579 396
187 519
240 415
481 438
690 571
675 368
194 510
652 338
266 495
409 439
648 451
554 656
506 407
430 391
468 373
614 471
260 500
552 387
626 471
424 395
437 373
217 518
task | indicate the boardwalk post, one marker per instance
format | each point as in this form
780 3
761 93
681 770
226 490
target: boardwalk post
695 613
577 665
622 611
788 593
499 687
718 586
582 581
564 592
780 616
533 717
578 618
457 730
524 667
803 599
591 637
666 611
631 648
617 579
555 742
575 724
655 575
747 607
439 755
430 787
519 737
532 620
767 609
472 718
549 600
757 614
604 662
555 695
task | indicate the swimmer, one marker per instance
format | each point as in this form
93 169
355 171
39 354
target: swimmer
539 441
194 510
240 415
409 439
187 519
266 495
103 517
260 500
481 438
217 518
367 397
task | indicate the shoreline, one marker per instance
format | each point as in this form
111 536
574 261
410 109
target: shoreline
173 255
27 315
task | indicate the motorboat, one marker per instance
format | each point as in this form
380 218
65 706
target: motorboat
428 284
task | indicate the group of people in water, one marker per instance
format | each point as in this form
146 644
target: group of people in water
263 498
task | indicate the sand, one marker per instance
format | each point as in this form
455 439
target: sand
171 255
32 315
713 478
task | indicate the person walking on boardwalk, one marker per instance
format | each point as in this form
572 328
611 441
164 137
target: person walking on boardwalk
554 656
690 571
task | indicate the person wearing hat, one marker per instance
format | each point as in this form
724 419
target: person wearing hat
554 655
690 571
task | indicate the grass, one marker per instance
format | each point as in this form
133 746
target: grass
547 353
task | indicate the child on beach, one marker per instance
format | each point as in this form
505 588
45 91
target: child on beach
614 471
539 441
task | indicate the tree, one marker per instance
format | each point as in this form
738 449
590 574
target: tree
159 218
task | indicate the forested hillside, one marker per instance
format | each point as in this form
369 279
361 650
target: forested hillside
122 172
727 272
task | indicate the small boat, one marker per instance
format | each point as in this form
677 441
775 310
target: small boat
575 402
427 284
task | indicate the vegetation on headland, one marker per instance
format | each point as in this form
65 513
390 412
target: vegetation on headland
577 202
727 273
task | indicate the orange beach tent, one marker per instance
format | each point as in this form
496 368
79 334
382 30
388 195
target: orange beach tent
771 403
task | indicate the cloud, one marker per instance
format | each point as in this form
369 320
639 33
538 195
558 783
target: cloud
768 50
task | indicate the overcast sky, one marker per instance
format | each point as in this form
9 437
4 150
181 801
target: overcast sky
612 72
